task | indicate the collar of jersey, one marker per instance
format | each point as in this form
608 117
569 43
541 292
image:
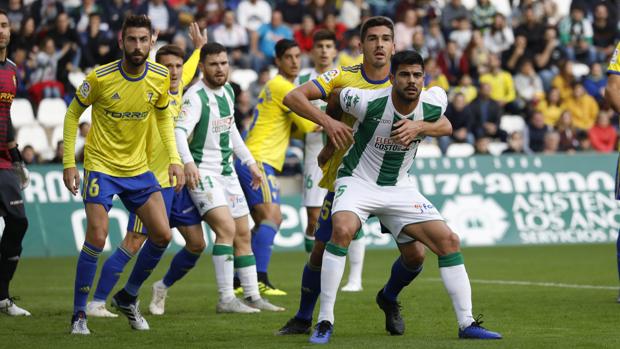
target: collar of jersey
374 82
128 77
398 114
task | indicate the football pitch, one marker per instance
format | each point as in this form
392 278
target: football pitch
536 296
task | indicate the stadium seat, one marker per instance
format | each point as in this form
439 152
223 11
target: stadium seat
580 70
428 150
243 77
460 150
21 112
496 148
35 136
76 78
56 136
512 123
51 112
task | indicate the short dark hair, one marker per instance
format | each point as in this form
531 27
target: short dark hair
377 21
169 49
408 57
211 48
3 12
323 34
284 45
136 21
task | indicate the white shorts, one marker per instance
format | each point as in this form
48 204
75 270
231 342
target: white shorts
395 206
217 191
312 195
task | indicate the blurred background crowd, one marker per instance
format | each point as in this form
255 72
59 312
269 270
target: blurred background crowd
522 76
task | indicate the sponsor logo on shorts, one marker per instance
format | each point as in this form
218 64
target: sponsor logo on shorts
423 207
187 210
16 202
235 200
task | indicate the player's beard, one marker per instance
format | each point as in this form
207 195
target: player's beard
216 82
406 97
129 57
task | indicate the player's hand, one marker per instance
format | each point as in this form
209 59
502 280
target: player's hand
22 172
192 176
71 178
325 154
198 39
176 172
339 133
405 131
257 176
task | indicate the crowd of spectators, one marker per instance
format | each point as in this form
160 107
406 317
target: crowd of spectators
544 60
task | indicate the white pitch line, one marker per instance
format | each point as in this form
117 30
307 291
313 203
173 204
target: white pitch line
540 284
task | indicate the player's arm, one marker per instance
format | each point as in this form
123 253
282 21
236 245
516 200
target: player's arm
245 156
199 39
186 122
165 126
612 90
298 100
333 110
434 124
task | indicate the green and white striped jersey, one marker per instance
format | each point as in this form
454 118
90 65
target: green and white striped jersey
313 141
207 122
374 157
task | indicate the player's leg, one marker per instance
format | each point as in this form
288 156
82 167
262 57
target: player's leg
16 224
438 237
618 198
405 268
311 275
357 250
245 266
313 216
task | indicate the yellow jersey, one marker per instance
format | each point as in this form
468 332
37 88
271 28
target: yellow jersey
122 104
614 64
270 130
353 76
156 152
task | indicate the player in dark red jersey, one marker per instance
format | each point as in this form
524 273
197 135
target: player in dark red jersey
13 178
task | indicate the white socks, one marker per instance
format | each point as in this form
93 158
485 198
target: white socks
357 249
249 282
331 274
456 281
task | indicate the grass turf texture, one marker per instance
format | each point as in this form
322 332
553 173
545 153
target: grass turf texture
528 316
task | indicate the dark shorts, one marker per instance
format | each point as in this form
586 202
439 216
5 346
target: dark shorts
11 200
179 208
100 188
269 190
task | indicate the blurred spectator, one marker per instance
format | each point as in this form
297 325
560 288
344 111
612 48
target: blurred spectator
234 37
568 134
243 111
487 115
434 39
82 14
22 74
63 35
293 12
163 18
319 9
213 11
252 14
564 80
97 46
576 36
115 12
528 85
552 143
515 54
263 41
44 71
83 130
549 58
551 107
482 14
551 12
605 32
27 37
481 145
16 13
603 136
501 83
475 59
449 60
404 30
583 107
465 87
536 131
331 23
351 12
351 54
499 37
461 119
532 29
45 12
303 35
257 86
595 82
419 45
452 11
29 156
58 153
461 34
515 144
433 75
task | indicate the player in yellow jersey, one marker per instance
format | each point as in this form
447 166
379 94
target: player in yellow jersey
267 140
123 95
612 94
181 211
377 41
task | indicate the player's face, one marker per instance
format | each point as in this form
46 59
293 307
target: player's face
378 46
5 32
408 81
290 62
136 45
175 67
215 69
323 53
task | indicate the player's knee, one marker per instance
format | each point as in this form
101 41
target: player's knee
196 247
316 256
342 234
450 244
161 239
97 238
132 242
414 257
16 227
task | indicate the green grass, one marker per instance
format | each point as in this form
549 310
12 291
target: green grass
528 316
